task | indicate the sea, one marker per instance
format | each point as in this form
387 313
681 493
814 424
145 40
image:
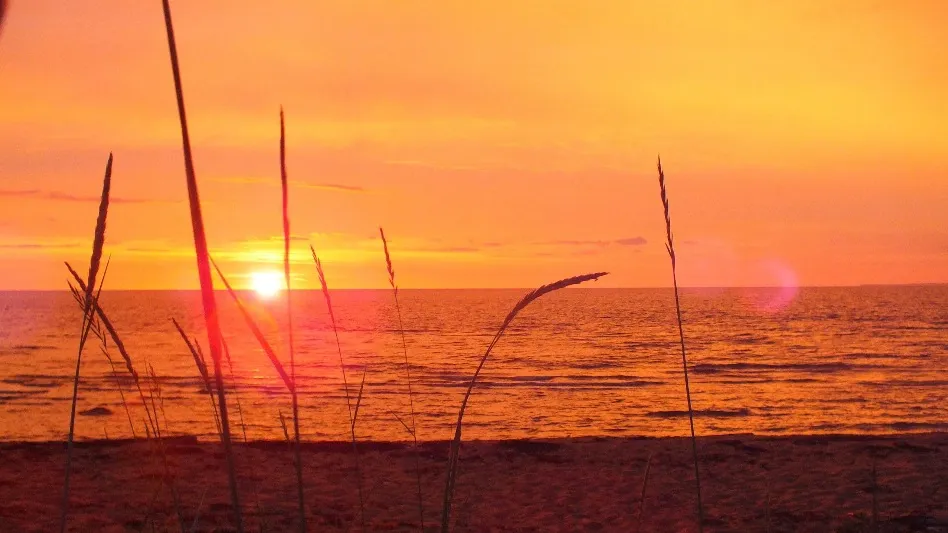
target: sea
577 362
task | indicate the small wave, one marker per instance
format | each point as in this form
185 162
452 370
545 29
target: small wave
709 413
714 368
913 426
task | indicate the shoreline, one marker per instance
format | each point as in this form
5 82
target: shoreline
795 483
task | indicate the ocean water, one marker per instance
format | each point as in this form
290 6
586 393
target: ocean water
577 362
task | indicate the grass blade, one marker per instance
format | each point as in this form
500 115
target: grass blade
411 400
670 247
257 333
289 322
648 468
98 242
456 443
345 382
201 365
204 268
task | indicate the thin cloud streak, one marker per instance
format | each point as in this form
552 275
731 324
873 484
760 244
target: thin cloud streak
295 183
58 196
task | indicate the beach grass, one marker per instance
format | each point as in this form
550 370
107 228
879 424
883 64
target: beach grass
413 429
215 338
670 248
345 382
98 242
530 297
285 188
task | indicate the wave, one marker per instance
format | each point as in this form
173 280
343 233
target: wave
707 413
715 368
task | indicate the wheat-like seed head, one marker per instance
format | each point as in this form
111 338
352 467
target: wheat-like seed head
388 261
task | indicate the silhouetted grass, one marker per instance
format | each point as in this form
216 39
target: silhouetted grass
670 247
284 185
411 401
98 242
456 443
97 331
345 381
201 365
204 268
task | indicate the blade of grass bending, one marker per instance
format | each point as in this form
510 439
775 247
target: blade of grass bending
411 399
345 382
151 427
456 443
118 344
204 268
201 365
98 243
670 247
248 319
97 331
289 323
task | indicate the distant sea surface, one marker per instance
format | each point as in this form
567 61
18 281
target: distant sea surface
575 363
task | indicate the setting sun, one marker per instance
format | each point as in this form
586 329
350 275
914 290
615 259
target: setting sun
266 284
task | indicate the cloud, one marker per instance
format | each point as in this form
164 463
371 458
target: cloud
35 246
295 183
66 197
628 241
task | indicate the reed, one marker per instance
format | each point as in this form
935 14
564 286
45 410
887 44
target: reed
201 365
284 184
411 401
151 425
103 340
98 242
648 468
345 382
670 247
456 443
119 344
257 333
204 268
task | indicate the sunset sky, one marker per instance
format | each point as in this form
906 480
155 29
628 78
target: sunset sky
500 144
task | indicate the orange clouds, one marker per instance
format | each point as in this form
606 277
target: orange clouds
806 131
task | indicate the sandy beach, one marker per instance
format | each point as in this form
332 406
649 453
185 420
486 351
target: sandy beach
802 483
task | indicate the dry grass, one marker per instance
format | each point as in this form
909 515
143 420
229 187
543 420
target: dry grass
413 429
98 242
204 268
670 247
201 363
345 382
456 443
284 184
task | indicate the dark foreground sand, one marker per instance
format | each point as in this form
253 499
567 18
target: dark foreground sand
816 483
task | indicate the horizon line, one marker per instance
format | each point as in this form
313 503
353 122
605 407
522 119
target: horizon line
653 287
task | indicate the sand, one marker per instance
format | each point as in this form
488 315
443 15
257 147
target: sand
812 483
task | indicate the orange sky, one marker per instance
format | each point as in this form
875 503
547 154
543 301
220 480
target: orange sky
500 143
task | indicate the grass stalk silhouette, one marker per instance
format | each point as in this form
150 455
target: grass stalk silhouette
204 269
648 469
284 185
456 443
411 401
97 331
670 247
201 363
98 243
345 381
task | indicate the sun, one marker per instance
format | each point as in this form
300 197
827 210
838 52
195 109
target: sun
266 284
